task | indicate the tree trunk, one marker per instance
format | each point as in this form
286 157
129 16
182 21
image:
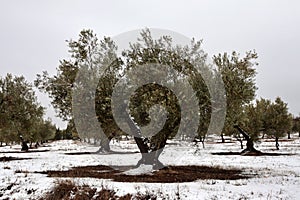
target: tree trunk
242 146
202 139
104 145
150 150
277 143
150 154
222 137
24 146
249 144
1 144
289 135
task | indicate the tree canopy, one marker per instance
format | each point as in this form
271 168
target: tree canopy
20 112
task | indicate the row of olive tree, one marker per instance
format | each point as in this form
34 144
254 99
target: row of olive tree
88 52
88 55
21 116
260 118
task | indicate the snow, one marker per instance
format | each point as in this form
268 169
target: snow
142 169
278 177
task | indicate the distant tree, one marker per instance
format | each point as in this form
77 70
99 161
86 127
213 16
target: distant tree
58 134
46 130
19 109
296 125
270 118
71 129
278 121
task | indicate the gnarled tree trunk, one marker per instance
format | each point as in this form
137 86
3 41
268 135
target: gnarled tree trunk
150 150
249 144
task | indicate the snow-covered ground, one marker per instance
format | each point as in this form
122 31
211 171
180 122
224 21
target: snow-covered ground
278 176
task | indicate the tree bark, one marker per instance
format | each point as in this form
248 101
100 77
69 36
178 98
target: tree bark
24 146
249 144
104 145
150 153
203 144
277 143
222 137
242 146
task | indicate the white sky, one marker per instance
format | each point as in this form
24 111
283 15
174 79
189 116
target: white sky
33 33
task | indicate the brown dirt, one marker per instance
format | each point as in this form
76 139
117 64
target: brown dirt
111 152
69 190
171 174
251 154
30 151
6 159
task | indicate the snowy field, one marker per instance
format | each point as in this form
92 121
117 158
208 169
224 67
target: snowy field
274 177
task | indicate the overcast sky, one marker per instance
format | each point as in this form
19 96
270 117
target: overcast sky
33 33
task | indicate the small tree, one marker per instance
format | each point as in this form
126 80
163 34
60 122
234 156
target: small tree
296 125
46 130
278 121
58 134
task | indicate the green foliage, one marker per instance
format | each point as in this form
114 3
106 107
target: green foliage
91 54
20 113
253 122
88 55
183 60
238 75
279 119
296 125
58 134
46 130
270 118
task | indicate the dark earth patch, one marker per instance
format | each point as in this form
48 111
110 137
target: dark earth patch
101 153
251 154
6 159
170 174
29 151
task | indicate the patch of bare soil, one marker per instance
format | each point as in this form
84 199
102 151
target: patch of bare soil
69 190
29 151
6 159
251 154
219 142
170 174
280 140
110 152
